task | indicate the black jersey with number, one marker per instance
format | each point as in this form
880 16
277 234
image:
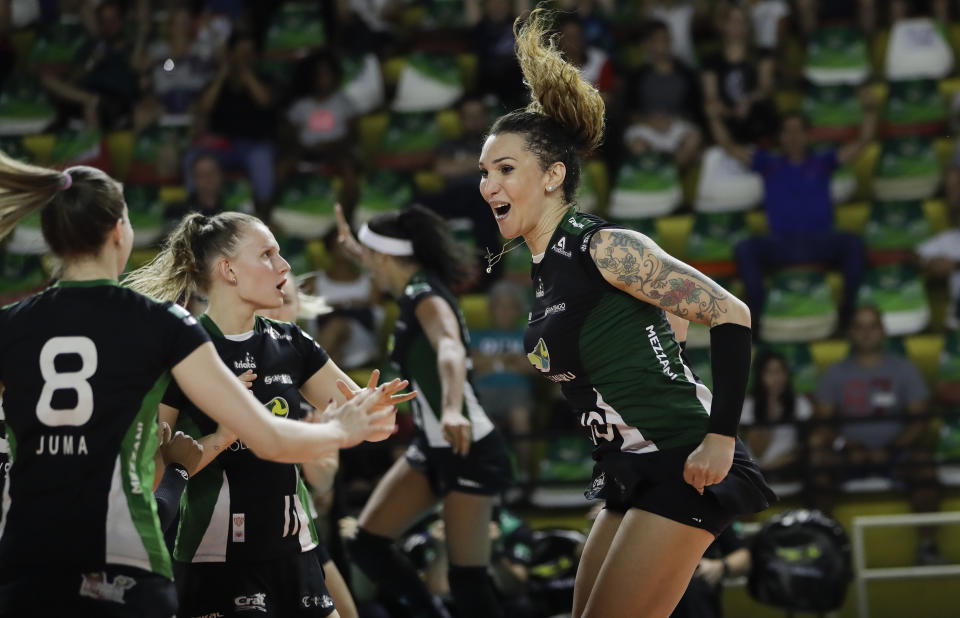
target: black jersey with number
84 365
413 355
241 507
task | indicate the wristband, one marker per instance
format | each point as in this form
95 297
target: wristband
730 348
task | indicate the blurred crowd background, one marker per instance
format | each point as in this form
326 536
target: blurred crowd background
800 152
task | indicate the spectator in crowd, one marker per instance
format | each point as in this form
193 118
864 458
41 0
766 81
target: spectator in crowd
595 16
770 23
321 124
813 14
680 16
879 391
940 255
500 368
799 207
498 71
663 101
238 106
727 557
178 67
593 63
738 81
104 82
207 194
770 416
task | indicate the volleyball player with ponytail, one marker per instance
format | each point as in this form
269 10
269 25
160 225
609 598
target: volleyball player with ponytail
82 366
668 463
245 539
457 455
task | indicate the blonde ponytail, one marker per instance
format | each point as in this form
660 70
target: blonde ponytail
182 268
25 189
556 87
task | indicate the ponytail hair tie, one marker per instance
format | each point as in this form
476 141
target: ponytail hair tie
67 181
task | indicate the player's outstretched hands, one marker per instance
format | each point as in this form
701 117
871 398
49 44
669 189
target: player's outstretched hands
184 450
389 395
710 462
361 418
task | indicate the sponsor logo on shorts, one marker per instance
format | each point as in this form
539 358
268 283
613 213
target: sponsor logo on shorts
561 247
468 483
97 586
252 603
322 601
280 378
239 528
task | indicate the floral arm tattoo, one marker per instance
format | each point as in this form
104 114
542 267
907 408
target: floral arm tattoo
635 264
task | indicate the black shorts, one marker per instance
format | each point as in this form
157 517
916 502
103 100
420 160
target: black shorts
653 482
114 592
289 586
484 471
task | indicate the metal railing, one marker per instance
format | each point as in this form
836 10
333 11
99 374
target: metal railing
863 574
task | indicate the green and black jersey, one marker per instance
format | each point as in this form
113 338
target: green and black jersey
84 365
412 354
241 507
614 356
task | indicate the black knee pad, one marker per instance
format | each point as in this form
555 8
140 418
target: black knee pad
473 592
368 549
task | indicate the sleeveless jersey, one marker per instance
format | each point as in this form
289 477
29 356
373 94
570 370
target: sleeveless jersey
241 507
416 360
84 365
614 356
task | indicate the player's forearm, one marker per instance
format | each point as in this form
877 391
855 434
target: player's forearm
286 441
452 367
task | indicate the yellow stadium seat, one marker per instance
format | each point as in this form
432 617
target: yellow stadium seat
689 181
863 167
924 350
949 88
40 146
370 129
828 352
852 217
673 232
449 121
469 65
392 69
475 312
120 147
757 222
428 182
173 194
936 213
599 177
944 147
788 100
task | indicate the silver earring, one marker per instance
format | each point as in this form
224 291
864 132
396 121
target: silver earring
550 188
234 281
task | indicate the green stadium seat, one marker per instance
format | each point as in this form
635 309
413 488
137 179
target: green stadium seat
27 239
156 156
238 195
13 147
725 185
837 55
894 229
647 185
799 307
897 291
834 112
363 82
914 107
918 48
80 147
429 82
305 207
57 46
908 169
409 141
294 30
24 107
146 214
381 191
567 461
712 240
20 276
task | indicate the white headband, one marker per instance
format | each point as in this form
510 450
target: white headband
384 244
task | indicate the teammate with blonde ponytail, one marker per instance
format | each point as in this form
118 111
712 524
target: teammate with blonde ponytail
82 366
244 529
668 463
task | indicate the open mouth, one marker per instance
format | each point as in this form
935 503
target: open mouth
501 211
281 284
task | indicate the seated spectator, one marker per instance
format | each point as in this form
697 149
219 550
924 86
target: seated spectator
594 63
207 194
738 81
770 416
799 208
880 390
940 255
498 72
770 23
502 378
680 16
178 67
348 334
663 101
727 557
240 120
596 19
321 124
104 82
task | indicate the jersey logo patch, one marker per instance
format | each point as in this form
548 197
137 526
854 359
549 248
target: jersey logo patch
539 291
247 362
279 406
252 603
97 586
561 247
239 528
540 356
